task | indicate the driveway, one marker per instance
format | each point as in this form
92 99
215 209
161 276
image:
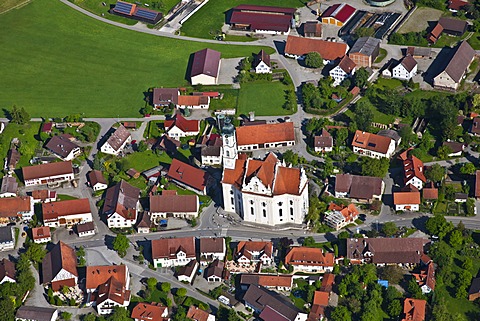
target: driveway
228 71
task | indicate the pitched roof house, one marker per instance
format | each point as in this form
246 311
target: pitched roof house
13 156
187 272
169 204
63 148
31 313
205 67
9 187
7 271
12 208
373 145
474 290
312 29
426 278
117 141
338 14
7 241
215 272
307 259
47 173
212 150
265 136
66 213
121 205
298 47
59 267
41 234
165 96
197 314
414 310
262 63
323 142
405 69
248 252
430 192
408 199
97 181
179 126
456 148
451 76
361 188
44 196
413 170
212 248
338 216
188 176
85 229
261 19
281 282
344 69
173 252
365 51
149 312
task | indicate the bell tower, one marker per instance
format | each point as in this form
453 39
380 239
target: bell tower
230 153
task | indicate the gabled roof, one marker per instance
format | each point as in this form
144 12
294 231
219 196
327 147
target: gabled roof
457 4
271 9
9 185
262 17
165 96
46 170
85 227
95 177
321 298
267 280
408 62
197 314
265 133
413 167
7 268
365 46
119 136
455 25
235 176
460 61
113 289
245 248
100 274
167 143
215 269
12 206
60 257
262 56
168 248
60 145
327 282
309 256
407 197
170 202
373 142
43 194
263 300
185 125
148 311
414 310
35 313
341 12
122 198
475 286
323 140
206 62
456 147
360 187
188 175
312 27
189 100
329 50
347 65
52 210
40 232
429 192
212 245
477 183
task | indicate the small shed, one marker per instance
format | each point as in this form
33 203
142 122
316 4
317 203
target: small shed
132 172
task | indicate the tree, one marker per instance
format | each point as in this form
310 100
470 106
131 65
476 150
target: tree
455 238
313 60
290 157
476 100
180 314
341 313
166 287
389 229
408 137
394 308
119 314
309 241
151 283
468 169
440 312
435 173
19 115
67 316
35 252
363 116
121 244
342 135
392 273
437 225
182 292
414 289
443 151
360 78
374 167
7 310
89 317
142 146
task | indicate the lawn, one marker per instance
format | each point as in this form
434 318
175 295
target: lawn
418 21
229 100
60 60
383 53
265 98
6 5
208 21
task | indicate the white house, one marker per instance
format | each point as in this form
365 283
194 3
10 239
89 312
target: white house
406 69
407 200
67 213
373 145
7 271
59 267
454 72
197 314
344 69
51 173
215 271
62 147
41 234
173 252
9 187
187 272
413 170
308 259
323 142
252 252
117 141
86 229
340 216
97 181
150 312
205 67
211 249
179 126
211 150
262 63
121 205
7 240
169 204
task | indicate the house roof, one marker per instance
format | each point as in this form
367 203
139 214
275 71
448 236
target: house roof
360 187
189 100
206 62
262 17
52 210
168 248
419 51
327 282
6 234
85 227
96 177
60 145
35 313
119 136
475 129
475 286
265 133
13 156
212 245
429 192
185 125
460 61
9 185
267 280
477 183
312 27
408 62
406 198
165 96
309 256
7 268
347 65
323 140
173 203
215 269
187 269
414 310
456 147
100 274
341 12
262 56
245 248
61 257
40 232
348 212
435 33
197 314
114 290
455 25
235 176
122 198
457 4
166 143
187 174
11 206
321 298
270 314
372 142
413 167
365 46
46 170
329 50
148 311
261 299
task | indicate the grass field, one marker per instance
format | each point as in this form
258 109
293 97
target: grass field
58 60
265 98
208 21
418 21
6 5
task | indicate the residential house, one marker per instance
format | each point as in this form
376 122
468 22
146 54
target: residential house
107 287
179 126
345 69
163 97
13 157
197 314
173 252
373 145
67 213
121 205
312 29
211 150
426 278
419 52
474 290
406 68
117 141
475 128
59 267
7 271
167 144
144 223
266 191
323 142
187 272
48 173
205 67
97 181
7 240
460 197
451 76
381 251
320 302
299 47
85 229
262 63
430 192
63 148
338 14
41 234
365 51
13 208
279 282
339 216
328 280
44 196
9 187
453 27
310 260
360 188
211 249
215 272
413 170
261 19
456 148
193 102
252 252
31 313
265 136
392 134
408 199
456 5
150 312
271 306
414 310
188 177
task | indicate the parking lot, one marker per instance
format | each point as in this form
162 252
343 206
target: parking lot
228 71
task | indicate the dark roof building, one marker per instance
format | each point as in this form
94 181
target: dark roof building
364 188
62 147
7 271
312 29
365 51
61 259
165 96
323 142
29 313
262 56
456 68
134 11
205 67
9 186
188 176
261 18
122 199
474 290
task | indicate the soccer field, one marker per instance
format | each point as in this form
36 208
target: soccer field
57 61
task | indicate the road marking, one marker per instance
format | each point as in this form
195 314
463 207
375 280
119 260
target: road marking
224 232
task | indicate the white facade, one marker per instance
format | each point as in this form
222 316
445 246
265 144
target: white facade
107 306
323 149
204 79
64 275
86 233
8 244
75 152
99 186
338 75
116 220
375 154
400 72
312 268
244 148
185 215
415 181
444 81
407 207
255 257
70 219
188 278
181 259
335 220
229 150
6 278
262 68
175 132
42 240
209 160
49 179
108 149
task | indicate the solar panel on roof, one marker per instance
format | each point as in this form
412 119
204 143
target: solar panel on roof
123 7
147 14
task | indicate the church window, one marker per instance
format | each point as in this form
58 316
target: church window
264 213
291 211
252 211
280 212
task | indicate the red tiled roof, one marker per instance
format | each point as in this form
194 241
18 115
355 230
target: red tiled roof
321 298
46 170
430 193
187 100
168 248
11 206
60 257
341 12
173 203
309 256
347 65
51 211
114 290
235 176
188 175
261 21
413 167
100 274
122 198
323 140
371 142
245 247
267 280
350 212
197 314
327 282
457 4
148 311
408 197
414 310
327 49
7 268
265 133
40 232
185 125
43 194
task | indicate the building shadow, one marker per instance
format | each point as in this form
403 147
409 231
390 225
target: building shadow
438 65
188 72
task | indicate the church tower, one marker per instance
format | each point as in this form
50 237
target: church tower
230 153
